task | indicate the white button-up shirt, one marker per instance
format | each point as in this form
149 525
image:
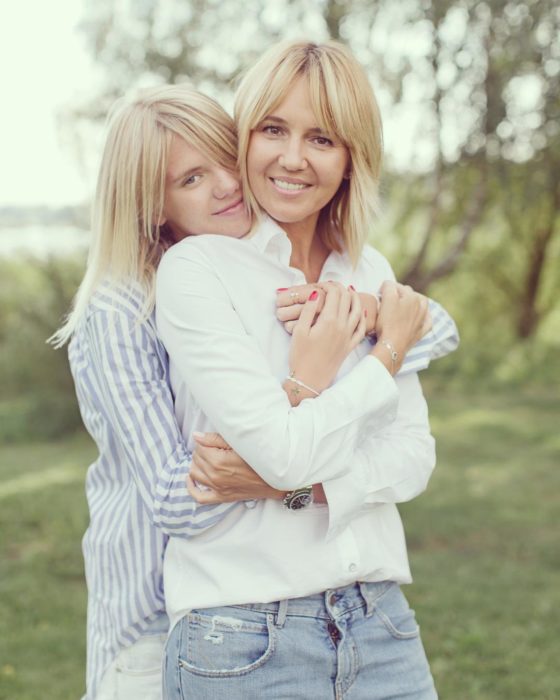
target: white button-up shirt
366 438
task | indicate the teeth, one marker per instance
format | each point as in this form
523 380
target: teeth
288 185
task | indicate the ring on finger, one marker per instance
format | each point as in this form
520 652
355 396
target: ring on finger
294 296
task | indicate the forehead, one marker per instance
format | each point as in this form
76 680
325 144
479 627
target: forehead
307 100
183 156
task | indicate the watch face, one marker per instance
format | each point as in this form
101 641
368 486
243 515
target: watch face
299 499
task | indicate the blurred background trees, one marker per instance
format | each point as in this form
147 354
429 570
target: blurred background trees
470 97
470 93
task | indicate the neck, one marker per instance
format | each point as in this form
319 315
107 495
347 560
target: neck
308 250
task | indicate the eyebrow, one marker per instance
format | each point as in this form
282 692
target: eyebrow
186 174
279 120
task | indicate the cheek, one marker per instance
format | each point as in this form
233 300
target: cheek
338 169
257 155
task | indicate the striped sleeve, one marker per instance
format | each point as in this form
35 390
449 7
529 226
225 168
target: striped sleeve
441 340
137 400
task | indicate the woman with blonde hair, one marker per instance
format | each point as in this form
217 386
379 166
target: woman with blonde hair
290 598
167 171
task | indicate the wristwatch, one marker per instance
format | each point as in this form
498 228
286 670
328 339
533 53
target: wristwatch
298 498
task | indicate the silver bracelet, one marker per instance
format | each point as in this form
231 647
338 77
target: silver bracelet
394 354
293 379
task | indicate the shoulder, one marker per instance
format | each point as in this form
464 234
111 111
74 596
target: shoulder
119 313
129 299
196 248
375 264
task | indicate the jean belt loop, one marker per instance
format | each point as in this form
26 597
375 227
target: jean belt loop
367 598
281 614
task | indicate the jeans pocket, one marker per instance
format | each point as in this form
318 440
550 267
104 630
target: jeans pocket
143 658
397 616
224 645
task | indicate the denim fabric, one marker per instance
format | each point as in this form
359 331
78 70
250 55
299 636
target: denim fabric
360 642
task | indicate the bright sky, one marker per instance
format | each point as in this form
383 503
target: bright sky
44 66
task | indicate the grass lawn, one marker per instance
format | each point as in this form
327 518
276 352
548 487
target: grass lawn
483 543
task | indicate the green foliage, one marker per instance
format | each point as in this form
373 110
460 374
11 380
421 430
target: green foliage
482 540
43 516
483 543
472 87
38 399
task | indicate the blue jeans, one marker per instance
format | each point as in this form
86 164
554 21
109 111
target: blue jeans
360 642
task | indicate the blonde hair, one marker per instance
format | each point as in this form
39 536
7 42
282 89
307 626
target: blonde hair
127 244
345 105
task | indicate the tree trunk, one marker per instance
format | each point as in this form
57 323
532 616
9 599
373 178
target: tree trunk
529 317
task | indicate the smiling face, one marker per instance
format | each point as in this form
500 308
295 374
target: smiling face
294 167
201 196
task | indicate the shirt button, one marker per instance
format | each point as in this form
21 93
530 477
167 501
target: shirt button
352 567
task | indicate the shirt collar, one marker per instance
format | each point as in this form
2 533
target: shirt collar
271 239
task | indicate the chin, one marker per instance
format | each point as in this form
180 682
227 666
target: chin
236 232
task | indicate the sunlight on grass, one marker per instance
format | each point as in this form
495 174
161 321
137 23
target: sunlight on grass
483 544
56 476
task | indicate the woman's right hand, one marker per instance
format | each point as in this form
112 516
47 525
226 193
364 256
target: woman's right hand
402 320
319 348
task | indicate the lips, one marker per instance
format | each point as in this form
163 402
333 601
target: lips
232 208
289 185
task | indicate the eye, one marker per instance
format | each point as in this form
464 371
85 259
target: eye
323 141
271 130
192 179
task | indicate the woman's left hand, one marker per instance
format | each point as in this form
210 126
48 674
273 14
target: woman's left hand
223 474
290 302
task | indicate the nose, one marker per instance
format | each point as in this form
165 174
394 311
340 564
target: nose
226 184
292 156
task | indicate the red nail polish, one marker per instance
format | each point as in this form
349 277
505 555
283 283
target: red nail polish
313 296
351 287
282 289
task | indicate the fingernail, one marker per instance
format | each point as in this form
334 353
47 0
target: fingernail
313 296
197 434
351 287
365 313
282 289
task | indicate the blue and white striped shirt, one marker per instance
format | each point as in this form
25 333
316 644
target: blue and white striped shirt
442 339
136 488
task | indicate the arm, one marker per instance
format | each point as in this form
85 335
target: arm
231 380
394 314
222 473
136 398
440 340
392 465
339 328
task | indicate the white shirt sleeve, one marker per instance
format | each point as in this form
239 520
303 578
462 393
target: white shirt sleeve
228 374
391 465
